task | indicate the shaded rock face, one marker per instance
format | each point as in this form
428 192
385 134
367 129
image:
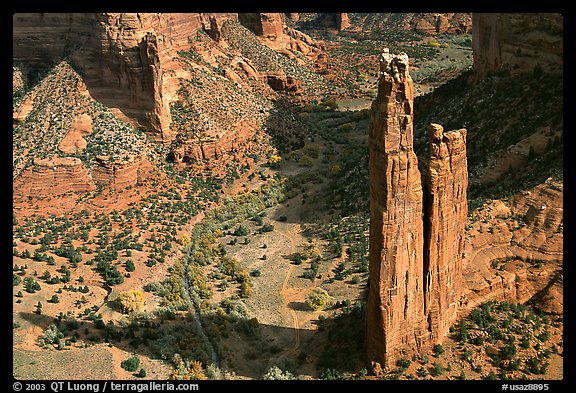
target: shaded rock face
416 233
338 21
263 24
279 81
517 41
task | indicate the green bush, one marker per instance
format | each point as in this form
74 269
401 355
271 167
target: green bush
306 161
241 231
267 228
130 364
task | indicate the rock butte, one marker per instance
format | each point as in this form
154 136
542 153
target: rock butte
416 232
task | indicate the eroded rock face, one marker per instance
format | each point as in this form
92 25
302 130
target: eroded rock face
416 234
215 146
120 174
445 219
74 142
515 253
279 81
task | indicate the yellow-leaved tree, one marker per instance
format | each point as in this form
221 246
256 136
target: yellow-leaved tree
130 301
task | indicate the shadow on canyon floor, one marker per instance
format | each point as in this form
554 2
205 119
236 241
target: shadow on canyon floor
338 343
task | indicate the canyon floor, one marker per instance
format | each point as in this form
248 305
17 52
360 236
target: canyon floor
275 233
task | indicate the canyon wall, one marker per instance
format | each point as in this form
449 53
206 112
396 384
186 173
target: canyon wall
416 232
516 41
426 23
123 58
269 25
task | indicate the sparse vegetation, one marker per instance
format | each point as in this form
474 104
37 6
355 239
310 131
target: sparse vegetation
199 226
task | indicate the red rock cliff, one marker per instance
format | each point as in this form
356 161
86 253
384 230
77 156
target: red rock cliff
123 58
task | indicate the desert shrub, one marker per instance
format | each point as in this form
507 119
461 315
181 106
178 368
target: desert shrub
346 127
422 372
130 266
330 103
245 289
130 301
267 228
312 250
437 369
50 336
274 161
318 299
462 334
241 231
403 363
141 373
131 364
491 376
275 373
184 240
432 42
186 369
438 349
306 161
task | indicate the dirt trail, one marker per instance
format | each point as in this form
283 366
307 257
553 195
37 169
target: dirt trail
291 231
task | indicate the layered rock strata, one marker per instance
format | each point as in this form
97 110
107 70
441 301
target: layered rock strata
213 147
54 176
120 174
416 232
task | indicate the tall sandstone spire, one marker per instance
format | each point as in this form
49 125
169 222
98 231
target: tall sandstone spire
416 233
446 209
395 319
